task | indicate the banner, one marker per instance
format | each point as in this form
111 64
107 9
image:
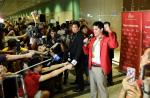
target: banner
146 30
131 39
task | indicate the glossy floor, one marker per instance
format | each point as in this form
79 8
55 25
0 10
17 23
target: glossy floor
113 90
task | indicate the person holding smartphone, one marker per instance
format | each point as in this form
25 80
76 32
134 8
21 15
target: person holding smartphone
133 89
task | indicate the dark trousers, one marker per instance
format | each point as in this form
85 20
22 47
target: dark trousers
85 65
66 73
109 76
79 75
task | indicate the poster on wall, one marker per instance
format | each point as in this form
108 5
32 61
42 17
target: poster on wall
146 30
131 39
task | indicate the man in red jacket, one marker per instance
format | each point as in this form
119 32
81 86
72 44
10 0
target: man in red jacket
99 61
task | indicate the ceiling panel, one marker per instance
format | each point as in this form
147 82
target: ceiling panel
8 7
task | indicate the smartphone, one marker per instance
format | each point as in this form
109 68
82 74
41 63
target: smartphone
131 74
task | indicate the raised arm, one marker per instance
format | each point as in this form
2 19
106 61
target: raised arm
21 56
54 73
113 43
53 67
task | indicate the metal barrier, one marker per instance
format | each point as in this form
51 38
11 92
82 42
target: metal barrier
10 86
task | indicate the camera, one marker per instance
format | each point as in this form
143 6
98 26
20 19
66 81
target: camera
44 40
2 28
2 25
33 31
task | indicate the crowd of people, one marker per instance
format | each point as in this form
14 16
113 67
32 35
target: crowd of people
72 44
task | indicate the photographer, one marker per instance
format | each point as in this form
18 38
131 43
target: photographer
134 89
55 49
14 46
34 35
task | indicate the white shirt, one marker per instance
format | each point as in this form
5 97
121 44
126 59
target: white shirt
96 51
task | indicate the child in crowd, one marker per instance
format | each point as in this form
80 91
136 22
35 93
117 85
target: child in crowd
33 78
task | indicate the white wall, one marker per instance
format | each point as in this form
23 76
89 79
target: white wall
103 10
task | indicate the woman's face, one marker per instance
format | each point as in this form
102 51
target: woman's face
52 34
84 30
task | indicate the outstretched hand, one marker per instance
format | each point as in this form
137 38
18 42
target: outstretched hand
85 41
126 85
69 66
135 91
132 89
30 54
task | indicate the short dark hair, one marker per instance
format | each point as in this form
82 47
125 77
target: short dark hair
106 22
63 26
54 29
76 23
99 24
34 60
12 43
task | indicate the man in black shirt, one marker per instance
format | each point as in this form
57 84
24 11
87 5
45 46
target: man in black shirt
76 55
107 29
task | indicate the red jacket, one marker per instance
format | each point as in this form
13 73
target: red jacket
105 44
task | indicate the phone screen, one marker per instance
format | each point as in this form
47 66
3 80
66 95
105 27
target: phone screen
131 73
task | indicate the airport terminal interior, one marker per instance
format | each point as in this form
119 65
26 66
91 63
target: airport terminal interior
74 48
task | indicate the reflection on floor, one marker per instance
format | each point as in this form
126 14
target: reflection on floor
116 58
113 90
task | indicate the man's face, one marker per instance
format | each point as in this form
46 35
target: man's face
106 27
75 28
38 68
145 58
97 31
42 48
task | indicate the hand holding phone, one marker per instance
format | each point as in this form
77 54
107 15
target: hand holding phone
131 74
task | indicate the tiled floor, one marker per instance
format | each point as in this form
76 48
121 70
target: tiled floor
113 90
